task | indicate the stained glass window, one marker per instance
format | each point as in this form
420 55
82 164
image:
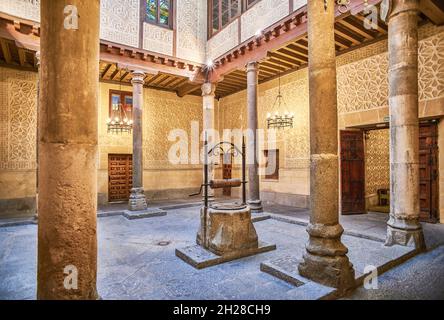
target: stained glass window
158 12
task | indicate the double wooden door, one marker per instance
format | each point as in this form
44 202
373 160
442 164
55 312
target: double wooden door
428 172
120 177
353 172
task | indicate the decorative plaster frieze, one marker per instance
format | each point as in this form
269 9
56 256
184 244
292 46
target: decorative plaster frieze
224 41
191 30
262 15
26 9
119 21
157 39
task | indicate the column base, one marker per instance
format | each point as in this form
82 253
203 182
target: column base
407 238
137 201
255 205
325 260
336 272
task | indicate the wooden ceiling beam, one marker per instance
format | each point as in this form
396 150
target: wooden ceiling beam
381 27
276 67
299 49
106 71
187 88
6 51
282 57
235 80
347 35
22 56
356 29
290 54
279 62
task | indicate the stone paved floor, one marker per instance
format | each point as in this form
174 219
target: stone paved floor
132 264
421 278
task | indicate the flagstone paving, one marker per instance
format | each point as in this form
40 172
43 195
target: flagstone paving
137 260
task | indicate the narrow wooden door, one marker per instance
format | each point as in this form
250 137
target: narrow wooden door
352 172
227 167
120 177
428 172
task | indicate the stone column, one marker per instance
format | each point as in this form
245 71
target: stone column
254 198
37 58
208 90
67 239
403 226
325 259
137 200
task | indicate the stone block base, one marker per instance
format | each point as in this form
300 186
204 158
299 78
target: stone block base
142 214
137 201
332 271
408 238
201 258
284 268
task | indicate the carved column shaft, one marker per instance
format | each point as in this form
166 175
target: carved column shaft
137 200
254 199
67 240
403 226
325 260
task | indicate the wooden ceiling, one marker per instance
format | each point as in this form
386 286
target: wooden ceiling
12 55
110 73
350 33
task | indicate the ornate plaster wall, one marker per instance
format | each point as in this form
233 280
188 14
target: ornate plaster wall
269 11
191 29
27 9
18 97
120 21
157 39
377 161
223 41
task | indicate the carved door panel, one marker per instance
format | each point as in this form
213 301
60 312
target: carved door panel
352 172
120 173
428 172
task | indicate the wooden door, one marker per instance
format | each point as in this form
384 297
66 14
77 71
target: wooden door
428 172
352 172
227 167
120 177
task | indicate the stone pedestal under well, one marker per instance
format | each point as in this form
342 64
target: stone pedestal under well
226 233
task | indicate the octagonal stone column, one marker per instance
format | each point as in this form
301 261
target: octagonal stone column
254 198
325 259
137 201
404 227
67 207
208 92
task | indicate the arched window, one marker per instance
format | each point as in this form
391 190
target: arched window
159 12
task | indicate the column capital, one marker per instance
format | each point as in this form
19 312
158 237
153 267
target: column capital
252 66
208 89
138 77
397 7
